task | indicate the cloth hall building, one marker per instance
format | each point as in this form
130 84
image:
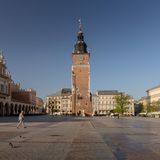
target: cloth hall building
13 98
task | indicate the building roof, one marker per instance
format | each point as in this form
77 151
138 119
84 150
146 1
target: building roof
153 88
57 94
63 91
66 91
108 92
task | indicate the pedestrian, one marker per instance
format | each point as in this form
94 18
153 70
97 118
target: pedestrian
21 120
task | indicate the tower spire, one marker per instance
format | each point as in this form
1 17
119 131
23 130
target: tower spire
80 24
80 46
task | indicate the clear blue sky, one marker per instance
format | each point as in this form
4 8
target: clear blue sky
123 37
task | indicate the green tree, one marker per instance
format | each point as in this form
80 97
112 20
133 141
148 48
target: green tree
141 108
153 107
148 107
122 101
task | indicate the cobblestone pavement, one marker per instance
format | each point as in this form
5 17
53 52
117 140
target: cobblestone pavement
77 138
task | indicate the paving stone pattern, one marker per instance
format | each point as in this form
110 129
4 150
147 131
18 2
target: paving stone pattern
80 138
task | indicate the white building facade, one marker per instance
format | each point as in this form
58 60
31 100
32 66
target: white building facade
103 102
153 94
59 103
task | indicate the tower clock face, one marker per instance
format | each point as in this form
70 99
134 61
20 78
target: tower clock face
80 59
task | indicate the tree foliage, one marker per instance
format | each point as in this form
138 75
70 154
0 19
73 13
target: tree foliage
153 107
122 101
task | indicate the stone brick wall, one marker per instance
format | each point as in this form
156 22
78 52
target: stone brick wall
81 83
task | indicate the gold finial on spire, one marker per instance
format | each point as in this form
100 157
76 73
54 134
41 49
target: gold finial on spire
80 24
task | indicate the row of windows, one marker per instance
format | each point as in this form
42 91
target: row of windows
106 107
65 97
54 107
58 107
65 101
66 106
53 98
106 97
155 95
107 102
53 102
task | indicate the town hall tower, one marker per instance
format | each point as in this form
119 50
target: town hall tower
81 96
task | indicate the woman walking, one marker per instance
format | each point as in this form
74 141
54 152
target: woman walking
21 120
